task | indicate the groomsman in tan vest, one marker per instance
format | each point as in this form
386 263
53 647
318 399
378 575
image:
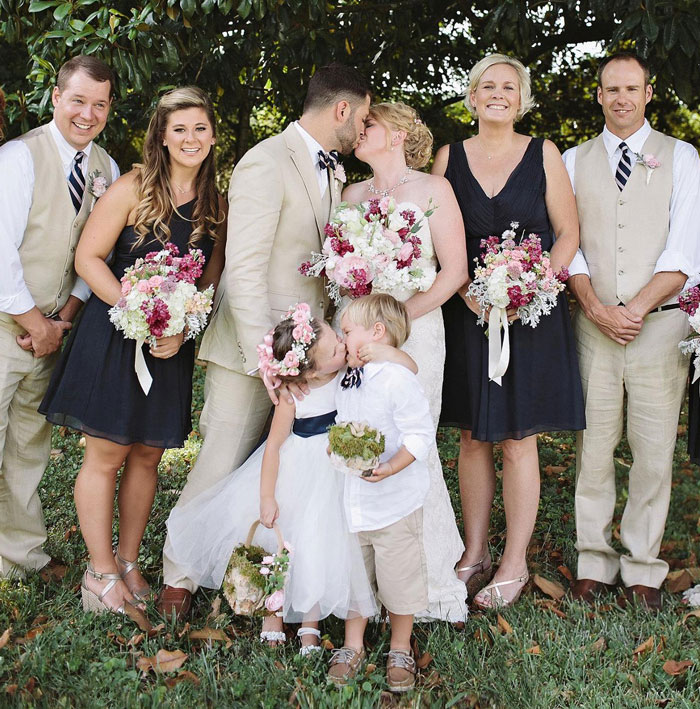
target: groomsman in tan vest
280 197
46 179
637 192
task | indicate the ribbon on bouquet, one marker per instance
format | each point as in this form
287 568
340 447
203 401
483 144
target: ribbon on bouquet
499 353
142 373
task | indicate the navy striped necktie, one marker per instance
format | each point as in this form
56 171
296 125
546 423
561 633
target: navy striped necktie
624 167
76 181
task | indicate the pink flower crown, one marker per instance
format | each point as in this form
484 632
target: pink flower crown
303 335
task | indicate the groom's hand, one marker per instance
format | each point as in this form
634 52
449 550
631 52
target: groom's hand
617 323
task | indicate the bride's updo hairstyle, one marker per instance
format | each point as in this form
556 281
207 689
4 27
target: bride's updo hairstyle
156 197
478 70
418 145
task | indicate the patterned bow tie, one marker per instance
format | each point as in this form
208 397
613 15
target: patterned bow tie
328 160
352 378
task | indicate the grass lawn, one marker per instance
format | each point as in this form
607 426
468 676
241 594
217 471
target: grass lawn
542 653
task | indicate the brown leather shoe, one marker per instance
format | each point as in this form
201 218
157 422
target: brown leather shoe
344 665
588 590
174 600
400 671
646 596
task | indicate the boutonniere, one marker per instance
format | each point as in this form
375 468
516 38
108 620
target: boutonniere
339 173
649 162
96 185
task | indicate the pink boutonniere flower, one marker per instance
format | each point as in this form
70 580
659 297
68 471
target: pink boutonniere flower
649 162
339 173
96 186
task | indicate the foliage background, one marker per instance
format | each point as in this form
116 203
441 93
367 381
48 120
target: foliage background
255 56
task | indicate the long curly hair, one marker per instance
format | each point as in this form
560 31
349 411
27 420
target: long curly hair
2 115
156 197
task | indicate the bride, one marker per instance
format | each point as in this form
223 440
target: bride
396 144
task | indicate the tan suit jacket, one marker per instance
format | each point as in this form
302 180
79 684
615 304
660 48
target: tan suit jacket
276 218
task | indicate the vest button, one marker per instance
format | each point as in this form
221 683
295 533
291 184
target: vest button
620 249
621 202
620 272
620 226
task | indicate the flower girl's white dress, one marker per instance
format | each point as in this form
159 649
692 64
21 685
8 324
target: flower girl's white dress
326 573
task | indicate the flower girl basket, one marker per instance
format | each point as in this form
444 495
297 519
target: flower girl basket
245 587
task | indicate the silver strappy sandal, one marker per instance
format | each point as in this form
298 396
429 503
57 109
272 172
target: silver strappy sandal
91 601
140 594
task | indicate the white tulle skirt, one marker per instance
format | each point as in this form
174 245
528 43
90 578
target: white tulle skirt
326 574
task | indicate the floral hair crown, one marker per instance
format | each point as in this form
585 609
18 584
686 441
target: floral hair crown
302 335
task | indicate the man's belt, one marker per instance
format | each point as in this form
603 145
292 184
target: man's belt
661 308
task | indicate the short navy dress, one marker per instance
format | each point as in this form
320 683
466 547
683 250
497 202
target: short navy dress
94 388
541 389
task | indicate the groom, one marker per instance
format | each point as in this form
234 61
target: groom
281 195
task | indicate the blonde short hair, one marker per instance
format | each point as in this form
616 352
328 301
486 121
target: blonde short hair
418 146
383 308
478 70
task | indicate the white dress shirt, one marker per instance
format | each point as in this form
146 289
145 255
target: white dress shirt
16 195
314 146
391 400
682 252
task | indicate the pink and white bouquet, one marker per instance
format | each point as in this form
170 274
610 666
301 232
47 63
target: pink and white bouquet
159 298
689 302
513 275
373 246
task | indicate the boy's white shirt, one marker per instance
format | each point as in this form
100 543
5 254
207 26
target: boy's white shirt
390 399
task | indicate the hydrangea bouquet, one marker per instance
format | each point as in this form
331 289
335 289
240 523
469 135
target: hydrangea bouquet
689 301
515 275
159 298
355 447
372 246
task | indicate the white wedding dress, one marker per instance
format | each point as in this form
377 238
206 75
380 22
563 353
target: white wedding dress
441 540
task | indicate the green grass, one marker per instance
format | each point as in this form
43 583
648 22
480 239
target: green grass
57 656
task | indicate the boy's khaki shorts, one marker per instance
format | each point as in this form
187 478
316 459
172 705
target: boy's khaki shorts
395 563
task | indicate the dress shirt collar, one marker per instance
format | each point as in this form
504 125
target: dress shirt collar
372 368
65 149
311 143
635 142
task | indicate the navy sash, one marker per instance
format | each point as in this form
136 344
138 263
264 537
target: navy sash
314 425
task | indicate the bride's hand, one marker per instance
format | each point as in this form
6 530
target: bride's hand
473 304
167 346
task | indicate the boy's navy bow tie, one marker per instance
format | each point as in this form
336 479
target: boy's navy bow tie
352 378
326 160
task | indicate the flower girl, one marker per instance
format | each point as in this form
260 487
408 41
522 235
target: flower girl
288 480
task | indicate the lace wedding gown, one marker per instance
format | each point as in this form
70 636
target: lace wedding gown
442 542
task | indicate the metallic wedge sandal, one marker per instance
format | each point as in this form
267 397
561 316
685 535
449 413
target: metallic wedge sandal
140 594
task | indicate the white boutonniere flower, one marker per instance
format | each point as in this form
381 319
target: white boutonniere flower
96 185
339 173
649 162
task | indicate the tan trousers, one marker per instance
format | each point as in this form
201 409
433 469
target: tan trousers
236 407
25 445
652 372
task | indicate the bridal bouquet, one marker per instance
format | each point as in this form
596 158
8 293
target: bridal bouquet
254 579
355 447
372 246
689 300
159 298
513 275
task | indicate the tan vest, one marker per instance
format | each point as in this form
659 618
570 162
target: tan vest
47 250
623 233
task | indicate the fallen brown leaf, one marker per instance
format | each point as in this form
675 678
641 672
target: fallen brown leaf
432 680
326 644
424 660
162 661
503 625
211 634
565 572
482 636
185 629
5 637
674 668
662 644
691 614
369 668
646 646
554 469
138 616
11 689
279 665
678 581
155 630
599 645
534 650
184 676
551 588
134 640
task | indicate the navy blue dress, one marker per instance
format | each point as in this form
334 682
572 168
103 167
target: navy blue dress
541 390
94 388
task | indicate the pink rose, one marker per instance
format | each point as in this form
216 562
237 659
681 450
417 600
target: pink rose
393 236
126 287
99 186
405 251
384 205
155 281
143 287
339 173
290 360
264 571
651 161
274 601
267 559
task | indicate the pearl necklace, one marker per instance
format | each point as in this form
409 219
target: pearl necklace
385 193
